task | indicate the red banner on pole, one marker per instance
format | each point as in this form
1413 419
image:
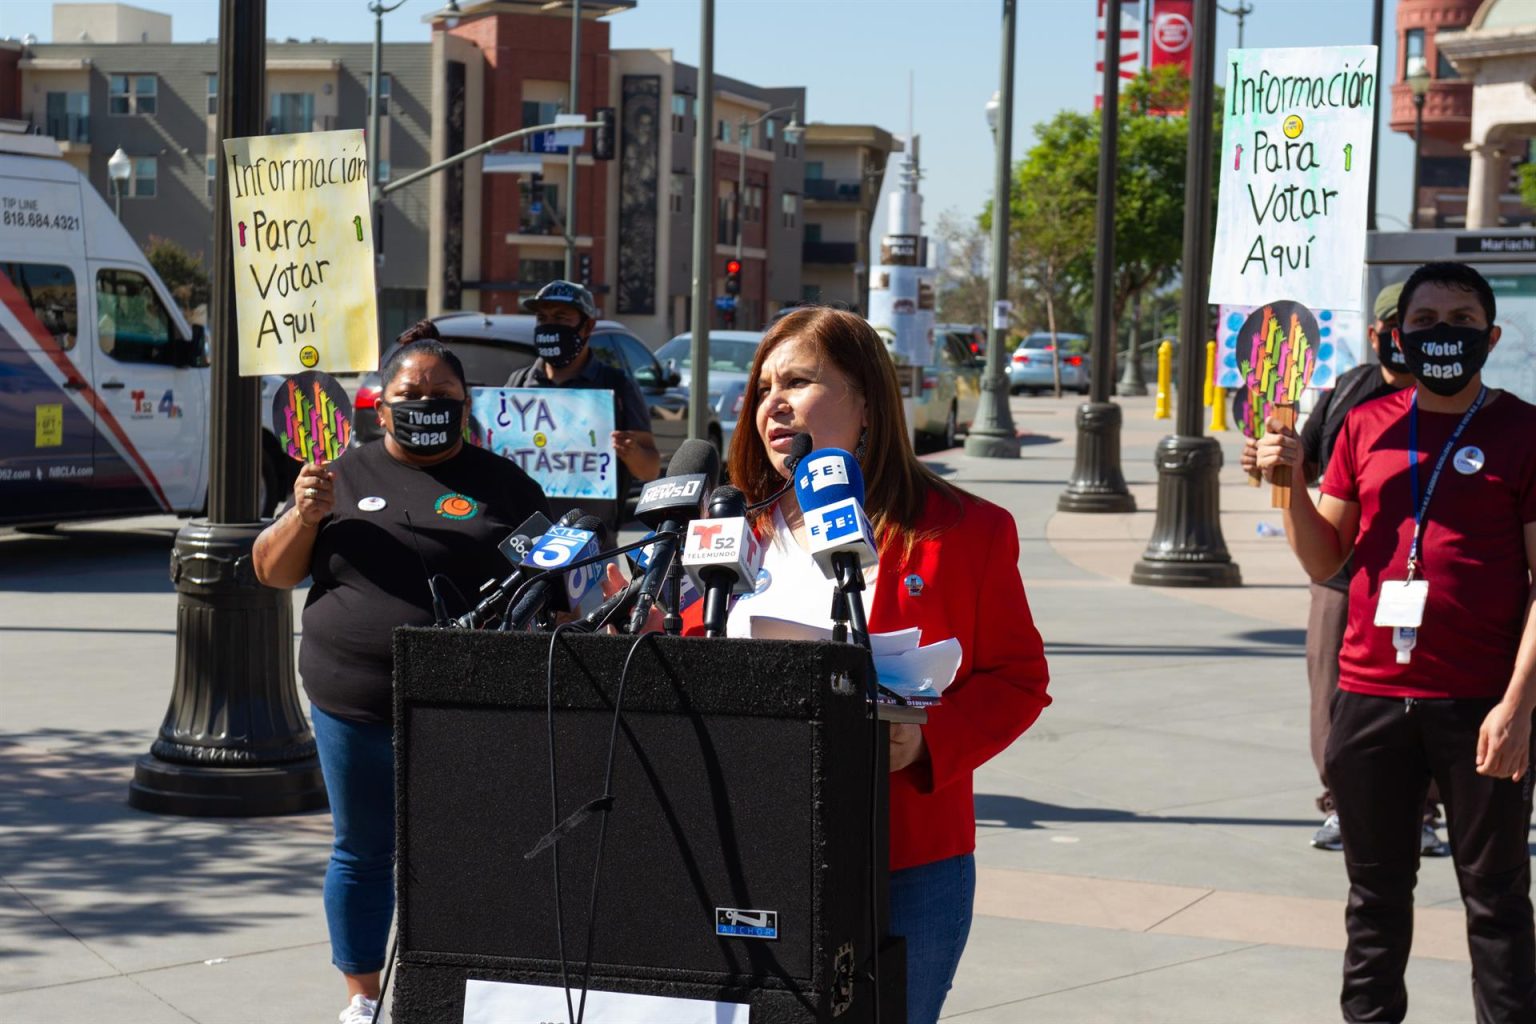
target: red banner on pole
1173 34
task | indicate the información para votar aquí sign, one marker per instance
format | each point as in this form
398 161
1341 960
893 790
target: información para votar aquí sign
1295 176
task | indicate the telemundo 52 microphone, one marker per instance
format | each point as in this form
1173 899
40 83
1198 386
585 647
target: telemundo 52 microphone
722 555
557 590
665 506
830 489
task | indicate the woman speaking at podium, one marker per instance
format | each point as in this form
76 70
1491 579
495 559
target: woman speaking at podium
948 564
368 529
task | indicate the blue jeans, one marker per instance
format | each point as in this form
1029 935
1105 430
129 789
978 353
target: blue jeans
358 760
931 907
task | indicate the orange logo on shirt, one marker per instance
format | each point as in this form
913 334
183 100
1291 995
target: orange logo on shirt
457 506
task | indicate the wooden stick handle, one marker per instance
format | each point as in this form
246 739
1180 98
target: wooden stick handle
1280 494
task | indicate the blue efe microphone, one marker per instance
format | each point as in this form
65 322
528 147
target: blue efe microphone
830 489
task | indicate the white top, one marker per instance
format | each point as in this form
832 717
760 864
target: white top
790 585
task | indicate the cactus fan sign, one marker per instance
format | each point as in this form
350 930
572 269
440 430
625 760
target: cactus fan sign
1295 175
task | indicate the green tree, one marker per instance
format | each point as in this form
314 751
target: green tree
182 272
1528 185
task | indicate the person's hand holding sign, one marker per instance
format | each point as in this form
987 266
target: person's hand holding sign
313 494
1279 447
637 450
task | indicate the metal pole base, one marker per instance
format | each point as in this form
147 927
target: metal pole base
1187 548
1131 384
234 742
1097 484
992 434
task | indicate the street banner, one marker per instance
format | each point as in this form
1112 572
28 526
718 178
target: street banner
1295 171
1171 40
302 227
563 438
1341 341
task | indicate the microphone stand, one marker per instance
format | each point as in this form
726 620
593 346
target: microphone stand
672 590
850 589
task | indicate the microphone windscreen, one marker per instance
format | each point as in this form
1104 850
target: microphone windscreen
799 448
695 456
727 501
570 518
593 525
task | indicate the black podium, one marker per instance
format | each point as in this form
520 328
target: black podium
737 864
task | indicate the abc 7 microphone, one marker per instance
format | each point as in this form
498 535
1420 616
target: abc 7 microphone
515 547
555 590
722 556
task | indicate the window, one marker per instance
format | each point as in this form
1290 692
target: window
768 131
536 112
69 116
642 364
145 172
291 113
50 291
679 113
383 170
132 324
132 94
752 211
213 177
213 95
605 351
537 273
1443 67
814 170
746 135
813 233
810 293
724 132
677 195
791 209
384 87
539 208
726 212
1413 49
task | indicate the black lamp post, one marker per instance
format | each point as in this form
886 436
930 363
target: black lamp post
1097 484
1418 82
1186 548
234 741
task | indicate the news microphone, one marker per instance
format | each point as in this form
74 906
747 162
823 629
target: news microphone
799 448
611 608
553 588
830 489
665 506
515 547
722 555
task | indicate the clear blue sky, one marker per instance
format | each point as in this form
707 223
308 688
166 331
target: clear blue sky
853 57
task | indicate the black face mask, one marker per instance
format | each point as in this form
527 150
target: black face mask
1390 357
1445 358
559 345
430 426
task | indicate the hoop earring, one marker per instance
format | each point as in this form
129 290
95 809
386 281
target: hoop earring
862 448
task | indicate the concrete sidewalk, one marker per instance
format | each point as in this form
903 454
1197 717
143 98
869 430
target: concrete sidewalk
1143 849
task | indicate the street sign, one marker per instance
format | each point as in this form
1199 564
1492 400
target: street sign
570 136
725 303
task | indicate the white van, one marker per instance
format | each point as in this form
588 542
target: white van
103 383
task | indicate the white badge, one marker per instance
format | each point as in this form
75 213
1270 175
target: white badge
1469 460
371 504
1402 603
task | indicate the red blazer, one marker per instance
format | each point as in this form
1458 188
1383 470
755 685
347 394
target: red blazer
970 590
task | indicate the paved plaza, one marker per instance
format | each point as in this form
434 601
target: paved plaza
1143 850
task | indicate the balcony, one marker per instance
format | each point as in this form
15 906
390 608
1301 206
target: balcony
69 127
832 190
830 252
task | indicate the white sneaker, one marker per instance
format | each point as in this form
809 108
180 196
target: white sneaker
1328 836
359 1011
1430 844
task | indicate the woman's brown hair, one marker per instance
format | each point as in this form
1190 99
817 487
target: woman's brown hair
896 484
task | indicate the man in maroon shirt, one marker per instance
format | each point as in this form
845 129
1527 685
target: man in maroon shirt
1431 493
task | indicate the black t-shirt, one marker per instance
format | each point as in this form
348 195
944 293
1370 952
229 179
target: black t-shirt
367 575
1355 386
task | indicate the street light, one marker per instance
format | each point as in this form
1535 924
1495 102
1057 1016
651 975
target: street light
1186 548
1097 484
119 167
992 435
375 197
1418 83
1241 11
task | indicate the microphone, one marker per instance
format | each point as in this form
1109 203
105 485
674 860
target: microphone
554 589
799 448
611 608
515 547
722 555
830 489
665 505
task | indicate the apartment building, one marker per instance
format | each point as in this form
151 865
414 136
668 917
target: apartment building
844 168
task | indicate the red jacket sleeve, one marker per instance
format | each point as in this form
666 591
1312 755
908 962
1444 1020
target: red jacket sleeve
1002 686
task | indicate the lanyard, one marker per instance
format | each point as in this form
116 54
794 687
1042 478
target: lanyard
1421 504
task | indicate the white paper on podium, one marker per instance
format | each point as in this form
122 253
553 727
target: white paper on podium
902 664
496 1002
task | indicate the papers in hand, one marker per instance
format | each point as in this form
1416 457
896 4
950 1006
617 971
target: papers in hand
916 672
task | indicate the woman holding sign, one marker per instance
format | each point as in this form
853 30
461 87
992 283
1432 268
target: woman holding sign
948 565
368 529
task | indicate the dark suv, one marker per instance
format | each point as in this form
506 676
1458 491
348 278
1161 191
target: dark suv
492 345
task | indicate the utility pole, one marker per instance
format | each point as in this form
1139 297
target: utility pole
570 151
1370 195
703 208
1242 11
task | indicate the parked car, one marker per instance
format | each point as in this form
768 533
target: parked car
492 345
973 336
730 357
951 391
1032 369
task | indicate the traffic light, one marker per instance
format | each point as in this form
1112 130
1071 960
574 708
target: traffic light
584 269
602 136
733 277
